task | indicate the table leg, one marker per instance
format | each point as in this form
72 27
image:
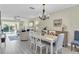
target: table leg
51 48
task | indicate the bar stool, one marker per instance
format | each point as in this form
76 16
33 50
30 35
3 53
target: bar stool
3 40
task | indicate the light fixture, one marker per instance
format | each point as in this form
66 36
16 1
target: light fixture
17 17
31 8
43 17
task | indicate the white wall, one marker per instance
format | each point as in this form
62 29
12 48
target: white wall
26 24
70 18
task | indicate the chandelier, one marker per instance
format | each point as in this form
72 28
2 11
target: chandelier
43 17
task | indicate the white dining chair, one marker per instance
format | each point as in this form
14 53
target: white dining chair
40 44
59 43
32 40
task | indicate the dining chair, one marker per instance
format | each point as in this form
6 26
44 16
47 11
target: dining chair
32 40
40 44
59 43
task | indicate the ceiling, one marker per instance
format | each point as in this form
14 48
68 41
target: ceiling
30 10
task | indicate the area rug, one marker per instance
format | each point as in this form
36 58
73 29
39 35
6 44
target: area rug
11 38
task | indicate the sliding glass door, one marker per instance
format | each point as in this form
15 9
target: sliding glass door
10 26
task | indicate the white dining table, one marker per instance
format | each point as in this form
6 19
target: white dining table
50 39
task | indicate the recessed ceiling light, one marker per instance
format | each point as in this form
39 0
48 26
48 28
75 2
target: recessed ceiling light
31 8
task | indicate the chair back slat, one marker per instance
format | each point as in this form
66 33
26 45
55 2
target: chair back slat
38 38
31 36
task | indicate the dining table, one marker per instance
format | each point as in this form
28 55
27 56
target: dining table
50 39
